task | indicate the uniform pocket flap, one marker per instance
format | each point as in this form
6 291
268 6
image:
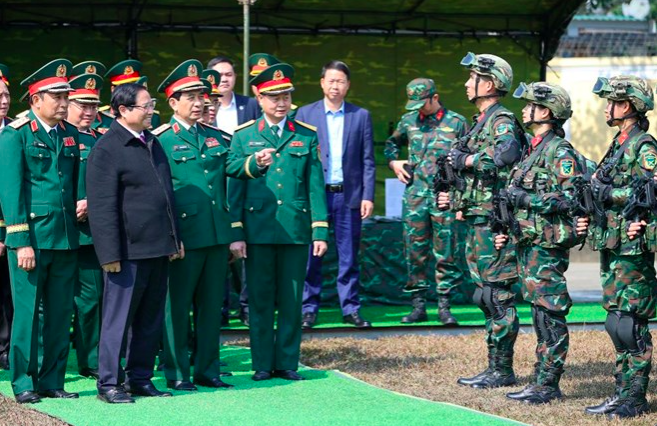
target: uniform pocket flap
187 210
300 205
183 155
37 152
39 211
300 152
252 205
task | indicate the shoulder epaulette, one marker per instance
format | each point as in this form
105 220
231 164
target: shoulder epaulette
22 114
156 112
19 122
104 108
106 114
163 128
293 107
306 125
244 125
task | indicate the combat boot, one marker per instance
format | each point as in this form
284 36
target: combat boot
521 394
548 388
419 312
635 403
609 404
444 314
468 381
502 375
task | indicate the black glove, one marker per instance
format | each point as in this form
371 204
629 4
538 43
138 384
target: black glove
518 197
457 158
601 191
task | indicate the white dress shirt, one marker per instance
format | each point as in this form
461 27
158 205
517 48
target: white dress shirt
227 116
335 128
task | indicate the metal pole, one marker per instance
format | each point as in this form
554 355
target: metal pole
246 4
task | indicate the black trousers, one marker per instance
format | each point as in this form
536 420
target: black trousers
6 305
133 315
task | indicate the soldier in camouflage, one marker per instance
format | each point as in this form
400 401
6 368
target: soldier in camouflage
626 262
429 130
542 189
483 159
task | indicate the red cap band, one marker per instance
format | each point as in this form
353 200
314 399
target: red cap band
283 83
125 78
180 84
35 88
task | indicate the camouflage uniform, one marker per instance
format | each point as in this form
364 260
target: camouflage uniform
427 229
542 189
494 142
627 267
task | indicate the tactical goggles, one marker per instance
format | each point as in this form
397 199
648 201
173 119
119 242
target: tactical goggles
532 92
602 87
472 61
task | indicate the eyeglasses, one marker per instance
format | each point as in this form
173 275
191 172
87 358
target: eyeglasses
146 107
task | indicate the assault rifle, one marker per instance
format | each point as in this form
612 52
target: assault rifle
642 201
584 205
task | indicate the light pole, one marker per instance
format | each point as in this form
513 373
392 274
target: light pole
246 4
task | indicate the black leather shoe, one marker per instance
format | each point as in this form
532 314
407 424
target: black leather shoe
542 395
4 361
145 390
495 380
244 317
90 373
214 382
356 320
27 397
522 394
629 407
469 381
115 395
288 375
181 385
58 393
261 375
606 407
308 321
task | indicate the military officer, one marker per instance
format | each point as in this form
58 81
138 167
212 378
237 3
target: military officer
127 71
83 106
197 155
626 262
274 220
493 146
259 62
542 190
211 98
39 170
429 130
6 306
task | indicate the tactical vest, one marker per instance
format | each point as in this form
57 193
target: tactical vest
614 237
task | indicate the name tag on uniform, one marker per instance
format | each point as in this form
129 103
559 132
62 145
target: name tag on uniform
69 141
211 142
180 148
39 144
296 143
82 147
256 143
446 129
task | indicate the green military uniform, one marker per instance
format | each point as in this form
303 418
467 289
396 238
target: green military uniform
428 230
39 172
89 287
494 141
197 155
127 71
626 266
543 187
278 216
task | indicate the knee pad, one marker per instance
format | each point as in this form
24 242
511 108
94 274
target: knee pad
611 325
552 325
492 301
630 332
478 299
540 336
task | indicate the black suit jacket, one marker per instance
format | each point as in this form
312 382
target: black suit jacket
130 198
247 109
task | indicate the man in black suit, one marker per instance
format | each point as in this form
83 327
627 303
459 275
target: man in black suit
132 218
233 110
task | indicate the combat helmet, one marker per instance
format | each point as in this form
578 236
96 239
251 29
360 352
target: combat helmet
493 66
551 96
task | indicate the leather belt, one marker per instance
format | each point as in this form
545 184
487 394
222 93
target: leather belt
334 188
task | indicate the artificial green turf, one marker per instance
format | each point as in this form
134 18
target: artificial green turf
325 398
470 315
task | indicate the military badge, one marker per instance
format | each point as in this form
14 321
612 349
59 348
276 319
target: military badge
128 70
210 78
256 143
192 71
82 147
34 126
211 142
102 130
90 84
409 92
566 167
181 148
176 128
649 161
69 141
278 75
502 129
61 71
90 69
446 129
263 62
296 143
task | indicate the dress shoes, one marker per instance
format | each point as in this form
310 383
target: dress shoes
288 375
27 397
356 320
469 381
146 389
90 373
214 382
58 393
523 393
4 361
181 385
308 321
261 375
244 317
115 395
